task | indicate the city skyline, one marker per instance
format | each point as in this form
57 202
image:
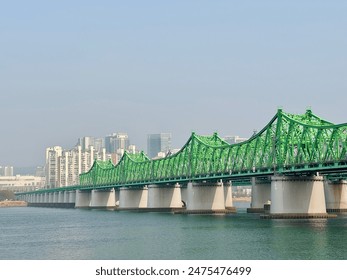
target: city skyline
77 68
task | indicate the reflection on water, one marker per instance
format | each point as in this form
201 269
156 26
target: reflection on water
44 233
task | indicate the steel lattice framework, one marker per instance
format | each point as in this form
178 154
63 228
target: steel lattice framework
288 144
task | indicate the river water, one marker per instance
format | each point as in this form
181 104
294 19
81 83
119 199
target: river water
28 233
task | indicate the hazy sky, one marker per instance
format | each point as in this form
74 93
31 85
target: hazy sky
90 68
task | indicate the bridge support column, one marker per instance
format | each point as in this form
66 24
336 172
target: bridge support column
103 199
297 197
60 197
55 197
82 199
50 197
72 197
228 197
133 198
261 194
336 196
45 197
66 196
164 197
206 197
184 195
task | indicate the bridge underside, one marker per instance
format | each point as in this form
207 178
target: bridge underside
277 196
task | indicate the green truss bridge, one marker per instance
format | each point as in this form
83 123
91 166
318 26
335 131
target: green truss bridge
288 144
298 163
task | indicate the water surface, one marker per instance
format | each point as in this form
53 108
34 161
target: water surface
45 233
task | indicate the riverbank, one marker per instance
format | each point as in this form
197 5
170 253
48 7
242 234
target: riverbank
13 203
242 199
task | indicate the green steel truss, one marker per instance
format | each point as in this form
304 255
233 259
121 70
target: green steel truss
287 144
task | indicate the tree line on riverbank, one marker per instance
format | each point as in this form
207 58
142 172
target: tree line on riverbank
7 195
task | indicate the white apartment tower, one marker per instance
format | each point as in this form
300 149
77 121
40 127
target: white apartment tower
64 166
52 163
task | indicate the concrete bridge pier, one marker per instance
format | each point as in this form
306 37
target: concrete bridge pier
55 197
50 197
335 196
184 195
133 198
297 197
64 199
83 198
261 194
72 196
103 199
66 196
164 197
60 197
228 197
45 198
205 197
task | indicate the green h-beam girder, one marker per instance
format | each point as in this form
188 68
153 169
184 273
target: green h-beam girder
288 144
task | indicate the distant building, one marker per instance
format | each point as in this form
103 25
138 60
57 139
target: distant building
234 139
242 191
20 183
64 166
53 155
40 171
158 143
117 143
87 141
6 170
132 149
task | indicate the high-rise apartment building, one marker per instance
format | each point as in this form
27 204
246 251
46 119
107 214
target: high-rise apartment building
117 143
64 166
6 170
157 143
87 141
52 162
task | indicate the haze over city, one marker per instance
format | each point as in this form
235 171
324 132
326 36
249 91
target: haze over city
86 68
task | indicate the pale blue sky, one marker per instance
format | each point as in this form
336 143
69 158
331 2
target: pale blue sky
76 68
